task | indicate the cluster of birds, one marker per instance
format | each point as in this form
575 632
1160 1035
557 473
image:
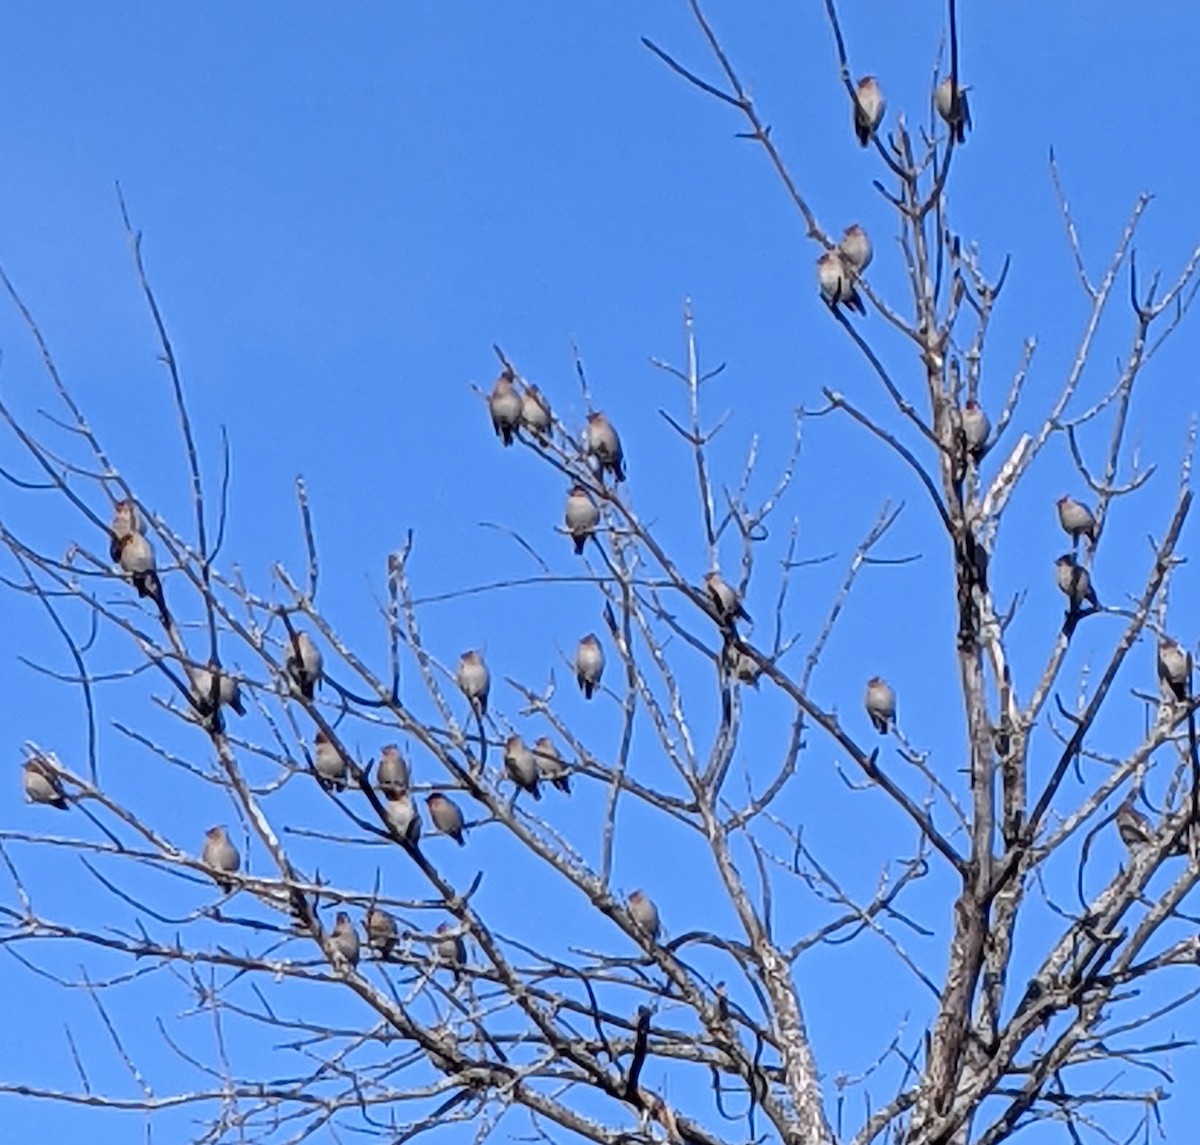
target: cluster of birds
839 269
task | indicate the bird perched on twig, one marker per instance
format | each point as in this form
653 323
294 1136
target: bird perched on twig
393 773
136 557
550 764
1076 519
836 280
603 443
125 520
343 941
741 666
447 816
535 411
474 681
582 516
449 948
506 406
1173 667
403 817
724 598
1075 582
42 784
880 702
221 856
869 106
855 249
228 694
329 763
381 931
589 664
304 663
521 766
645 914
951 101
1133 827
976 428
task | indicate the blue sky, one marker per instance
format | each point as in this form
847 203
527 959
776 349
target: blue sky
344 209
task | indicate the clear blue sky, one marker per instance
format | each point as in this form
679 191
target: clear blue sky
344 208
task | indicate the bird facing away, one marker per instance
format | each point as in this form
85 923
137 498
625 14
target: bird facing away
976 428
403 817
837 282
550 764
1173 667
582 516
521 766
449 948
1133 827
880 702
869 106
855 249
951 101
535 411
221 856
724 598
474 681
381 930
304 664
42 784
506 406
1075 581
1076 519
343 941
645 914
393 774
742 667
603 443
125 520
589 664
447 816
329 763
229 695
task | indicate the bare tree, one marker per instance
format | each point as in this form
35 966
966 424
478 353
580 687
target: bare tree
1044 882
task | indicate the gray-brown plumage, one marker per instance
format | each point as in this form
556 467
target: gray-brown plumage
1076 519
229 695
869 107
836 280
742 667
447 816
381 931
474 680
976 428
304 663
589 664
1075 582
521 766
645 914
855 248
403 817
126 519
506 406
1133 827
582 516
604 444
724 598
550 764
136 557
1173 667
221 857
393 773
42 784
880 703
343 941
951 101
449 948
329 763
535 411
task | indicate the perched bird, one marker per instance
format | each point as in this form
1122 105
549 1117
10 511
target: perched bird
228 695
1076 519
976 428
582 516
474 681
136 557
506 406
221 856
42 784
645 914
343 940
1133 827
304 663
393 773
837 282
1173 667
855 249
724 599
382 933
952 106
125 520
589 664
521 766
403 817
742 667
447 816
602 442
881 704
1075 581
550 764
869 106
535 411
329 763
449 948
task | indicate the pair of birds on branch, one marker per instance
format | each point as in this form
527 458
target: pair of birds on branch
839 269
